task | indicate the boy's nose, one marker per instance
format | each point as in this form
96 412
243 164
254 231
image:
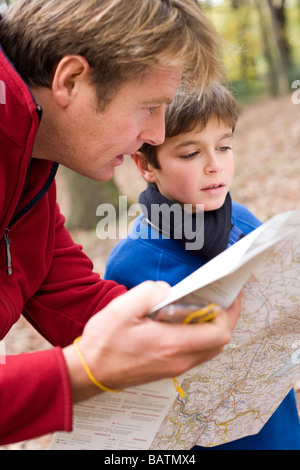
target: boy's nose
213 164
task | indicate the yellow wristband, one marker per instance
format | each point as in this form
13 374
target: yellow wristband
90 375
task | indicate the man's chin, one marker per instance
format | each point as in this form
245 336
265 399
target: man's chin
106 172
119 160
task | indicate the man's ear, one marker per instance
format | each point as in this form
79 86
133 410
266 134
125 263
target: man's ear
144 167
71 70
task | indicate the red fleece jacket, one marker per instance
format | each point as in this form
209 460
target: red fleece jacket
43 274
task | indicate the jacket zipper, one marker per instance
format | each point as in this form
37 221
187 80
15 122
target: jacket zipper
7 242
25 210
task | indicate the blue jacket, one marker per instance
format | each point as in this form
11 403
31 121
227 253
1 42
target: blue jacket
145 255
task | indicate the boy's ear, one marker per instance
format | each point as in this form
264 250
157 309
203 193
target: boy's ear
144 167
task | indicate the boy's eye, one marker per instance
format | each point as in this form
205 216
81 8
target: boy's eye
224 149
189 155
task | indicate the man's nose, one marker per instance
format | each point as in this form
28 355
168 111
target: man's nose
154 132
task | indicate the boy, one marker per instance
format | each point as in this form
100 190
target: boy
194 166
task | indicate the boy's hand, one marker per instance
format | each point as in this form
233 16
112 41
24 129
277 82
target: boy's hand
123 348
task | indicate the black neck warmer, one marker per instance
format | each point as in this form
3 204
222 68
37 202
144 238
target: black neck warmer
205 234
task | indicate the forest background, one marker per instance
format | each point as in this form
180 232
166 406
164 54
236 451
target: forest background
262 60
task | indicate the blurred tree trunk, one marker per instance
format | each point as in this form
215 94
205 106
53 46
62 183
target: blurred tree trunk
247 62
279 13
284 57
85 195
272 67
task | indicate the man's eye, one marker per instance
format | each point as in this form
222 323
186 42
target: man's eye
152 109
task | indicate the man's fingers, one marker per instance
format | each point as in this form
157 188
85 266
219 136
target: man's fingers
126 350
193 338
141 299
219 330
234 312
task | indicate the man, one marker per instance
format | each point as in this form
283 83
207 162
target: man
85 83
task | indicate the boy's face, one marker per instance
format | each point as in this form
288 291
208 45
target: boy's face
196 167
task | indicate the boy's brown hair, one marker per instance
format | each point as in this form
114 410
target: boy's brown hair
190 111
121 40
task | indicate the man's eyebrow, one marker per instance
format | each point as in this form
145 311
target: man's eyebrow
159 101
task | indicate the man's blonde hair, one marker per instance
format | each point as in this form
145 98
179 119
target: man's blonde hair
121 40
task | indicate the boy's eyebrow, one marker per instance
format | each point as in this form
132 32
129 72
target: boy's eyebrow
187 143
196 142
227 135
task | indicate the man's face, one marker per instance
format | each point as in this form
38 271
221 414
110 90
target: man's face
95 142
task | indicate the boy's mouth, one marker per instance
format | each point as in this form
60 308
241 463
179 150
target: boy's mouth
214 188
